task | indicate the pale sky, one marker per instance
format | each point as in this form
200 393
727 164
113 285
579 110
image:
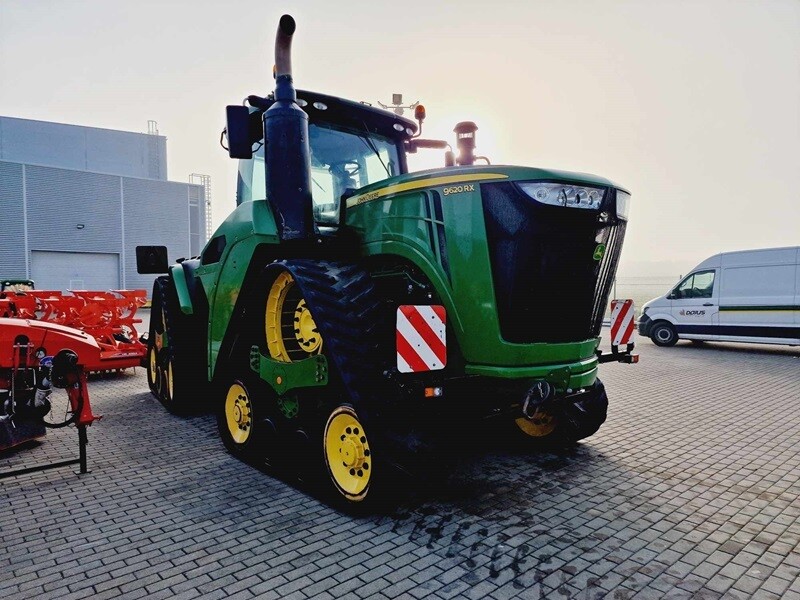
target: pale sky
693 106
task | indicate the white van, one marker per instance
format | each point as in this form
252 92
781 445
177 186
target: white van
745 296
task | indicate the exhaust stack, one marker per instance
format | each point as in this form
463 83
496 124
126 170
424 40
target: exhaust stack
286 152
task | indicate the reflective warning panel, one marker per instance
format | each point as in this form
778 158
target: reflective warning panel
421 342
623 323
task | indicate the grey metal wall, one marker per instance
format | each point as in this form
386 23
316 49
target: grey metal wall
81 212
83 148
60 200
156 214
12 222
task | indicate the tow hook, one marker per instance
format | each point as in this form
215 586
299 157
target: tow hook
539 393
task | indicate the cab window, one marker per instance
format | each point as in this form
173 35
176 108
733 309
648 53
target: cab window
341 159
696 285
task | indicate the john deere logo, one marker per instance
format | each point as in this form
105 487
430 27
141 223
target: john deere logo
599 252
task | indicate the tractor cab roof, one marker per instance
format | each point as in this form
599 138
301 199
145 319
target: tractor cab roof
322 108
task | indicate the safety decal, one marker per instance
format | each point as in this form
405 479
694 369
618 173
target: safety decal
622 322
421 341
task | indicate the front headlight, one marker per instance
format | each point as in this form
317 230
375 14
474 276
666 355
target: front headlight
564 194
623 204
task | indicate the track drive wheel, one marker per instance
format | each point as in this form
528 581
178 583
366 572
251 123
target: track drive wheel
291 332
565 423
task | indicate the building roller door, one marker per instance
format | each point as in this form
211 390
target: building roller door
75 270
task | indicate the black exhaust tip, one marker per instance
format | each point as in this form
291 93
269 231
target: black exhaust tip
287 25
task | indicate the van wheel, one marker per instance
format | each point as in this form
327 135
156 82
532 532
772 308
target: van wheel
664 334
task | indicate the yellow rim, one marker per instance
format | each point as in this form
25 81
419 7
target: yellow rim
541 424
290 329
153 369
238 413
347 454
170 380
158 381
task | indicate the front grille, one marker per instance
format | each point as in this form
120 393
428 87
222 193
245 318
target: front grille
548 285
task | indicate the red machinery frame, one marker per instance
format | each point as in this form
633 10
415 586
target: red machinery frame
109 317
23 345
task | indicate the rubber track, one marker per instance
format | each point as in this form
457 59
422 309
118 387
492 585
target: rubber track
347 311
155 314
186 349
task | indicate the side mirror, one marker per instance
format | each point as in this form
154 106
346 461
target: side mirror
243 129
151 259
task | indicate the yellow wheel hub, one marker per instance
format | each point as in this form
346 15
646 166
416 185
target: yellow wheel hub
539 425
347 453
238 413
291 331
305 330
153 368
170 380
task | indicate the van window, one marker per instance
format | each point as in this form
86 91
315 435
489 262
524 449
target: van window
696 285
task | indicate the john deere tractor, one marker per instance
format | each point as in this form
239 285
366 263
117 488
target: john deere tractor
347 305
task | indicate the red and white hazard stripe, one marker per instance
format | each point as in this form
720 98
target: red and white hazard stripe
421 342
622 322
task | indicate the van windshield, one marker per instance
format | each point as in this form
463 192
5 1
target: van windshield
696 285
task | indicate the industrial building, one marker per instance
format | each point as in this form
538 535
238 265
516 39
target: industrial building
76 201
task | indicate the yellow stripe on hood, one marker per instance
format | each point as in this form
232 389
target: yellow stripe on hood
391 190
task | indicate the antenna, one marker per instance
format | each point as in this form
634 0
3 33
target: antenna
397 105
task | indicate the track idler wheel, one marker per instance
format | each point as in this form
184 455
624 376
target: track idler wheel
152 369
347 452
242 424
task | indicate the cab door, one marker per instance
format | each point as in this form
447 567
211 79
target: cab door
695 305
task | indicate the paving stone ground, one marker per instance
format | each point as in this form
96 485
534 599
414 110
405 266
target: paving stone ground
690 490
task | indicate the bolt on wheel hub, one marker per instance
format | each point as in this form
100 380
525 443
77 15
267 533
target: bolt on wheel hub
347 453
238 413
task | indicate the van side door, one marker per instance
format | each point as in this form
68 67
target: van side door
758 301
695 305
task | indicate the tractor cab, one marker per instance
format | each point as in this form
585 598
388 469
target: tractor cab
351 145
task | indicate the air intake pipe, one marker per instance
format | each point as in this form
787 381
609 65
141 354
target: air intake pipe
286 151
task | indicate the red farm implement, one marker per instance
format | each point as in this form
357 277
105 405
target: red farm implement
109 317
43 368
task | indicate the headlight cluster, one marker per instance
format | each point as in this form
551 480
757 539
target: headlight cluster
623 204
560 194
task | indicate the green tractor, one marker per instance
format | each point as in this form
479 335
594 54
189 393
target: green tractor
346 305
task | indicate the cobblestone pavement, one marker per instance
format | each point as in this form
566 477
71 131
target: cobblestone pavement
690 489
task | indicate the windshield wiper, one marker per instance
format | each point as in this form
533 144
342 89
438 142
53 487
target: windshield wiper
371 145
